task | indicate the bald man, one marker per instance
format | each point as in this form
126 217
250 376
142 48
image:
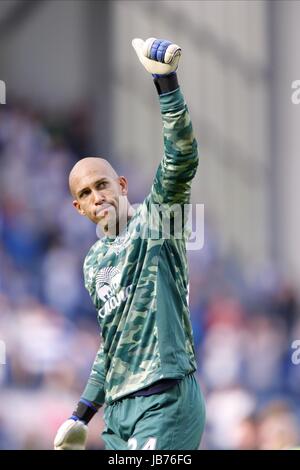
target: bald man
144 370
100 194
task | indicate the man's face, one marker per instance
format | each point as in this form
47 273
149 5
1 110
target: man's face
99 194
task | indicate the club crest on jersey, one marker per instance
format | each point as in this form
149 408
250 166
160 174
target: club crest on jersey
108 289
120 243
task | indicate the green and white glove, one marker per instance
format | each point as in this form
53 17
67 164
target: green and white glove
158 56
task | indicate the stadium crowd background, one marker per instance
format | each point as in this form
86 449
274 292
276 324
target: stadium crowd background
243 333
243 327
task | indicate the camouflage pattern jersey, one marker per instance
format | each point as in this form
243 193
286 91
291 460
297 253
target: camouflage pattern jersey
139 284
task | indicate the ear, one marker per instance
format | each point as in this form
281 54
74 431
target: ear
123 185
76 204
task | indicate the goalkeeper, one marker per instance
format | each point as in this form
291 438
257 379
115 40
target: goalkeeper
144 369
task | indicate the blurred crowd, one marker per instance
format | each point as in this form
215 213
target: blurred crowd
243 328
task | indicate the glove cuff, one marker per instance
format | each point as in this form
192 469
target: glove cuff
166 83
85 410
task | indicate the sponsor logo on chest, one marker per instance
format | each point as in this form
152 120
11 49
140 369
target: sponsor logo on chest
109 291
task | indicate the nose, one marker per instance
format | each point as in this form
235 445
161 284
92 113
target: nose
98 197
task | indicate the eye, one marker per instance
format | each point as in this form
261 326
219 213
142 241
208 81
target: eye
84 194
101 185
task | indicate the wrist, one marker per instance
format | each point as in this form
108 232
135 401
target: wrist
84 411
166 83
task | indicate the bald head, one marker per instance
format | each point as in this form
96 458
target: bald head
100 194
85 169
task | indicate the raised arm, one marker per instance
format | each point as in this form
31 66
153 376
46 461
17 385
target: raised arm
172 183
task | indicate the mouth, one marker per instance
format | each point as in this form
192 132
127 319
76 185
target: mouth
103 210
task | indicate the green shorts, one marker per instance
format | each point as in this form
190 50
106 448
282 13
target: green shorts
173 419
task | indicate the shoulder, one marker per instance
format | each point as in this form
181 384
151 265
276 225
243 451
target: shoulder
93 251
91 261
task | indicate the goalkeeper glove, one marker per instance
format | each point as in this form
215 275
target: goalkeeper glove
158 56
72 434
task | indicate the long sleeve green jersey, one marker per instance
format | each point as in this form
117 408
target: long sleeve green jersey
139 284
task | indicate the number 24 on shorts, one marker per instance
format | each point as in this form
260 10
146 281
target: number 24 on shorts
149 445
